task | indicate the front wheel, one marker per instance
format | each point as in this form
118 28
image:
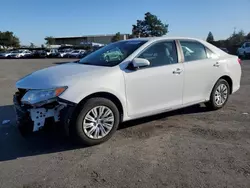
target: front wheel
219 95
96 122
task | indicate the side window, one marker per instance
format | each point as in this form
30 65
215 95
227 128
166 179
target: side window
193 51
159 54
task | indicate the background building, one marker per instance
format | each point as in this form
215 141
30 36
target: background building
76 40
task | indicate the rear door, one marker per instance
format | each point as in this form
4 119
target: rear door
202 70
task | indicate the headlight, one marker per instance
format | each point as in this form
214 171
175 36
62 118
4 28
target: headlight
40 97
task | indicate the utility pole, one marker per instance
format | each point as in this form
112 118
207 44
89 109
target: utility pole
234 30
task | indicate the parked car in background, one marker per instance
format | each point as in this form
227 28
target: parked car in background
39 54
76 53
225 50
6 54
52 53
90 97
64 52
87 52
20 54
244 50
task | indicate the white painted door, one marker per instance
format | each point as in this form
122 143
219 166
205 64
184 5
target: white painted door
201 72
157 87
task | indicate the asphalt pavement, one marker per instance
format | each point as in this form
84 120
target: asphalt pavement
191 147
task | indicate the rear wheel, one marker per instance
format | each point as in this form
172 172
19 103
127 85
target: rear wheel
96 122
219 95
246 56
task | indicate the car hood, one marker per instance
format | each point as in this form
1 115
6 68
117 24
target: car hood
57 76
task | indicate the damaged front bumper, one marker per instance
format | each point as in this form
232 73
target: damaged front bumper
32 119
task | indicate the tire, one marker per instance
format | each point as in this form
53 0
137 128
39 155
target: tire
214 103
81 134
246 56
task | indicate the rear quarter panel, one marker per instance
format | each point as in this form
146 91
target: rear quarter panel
234 71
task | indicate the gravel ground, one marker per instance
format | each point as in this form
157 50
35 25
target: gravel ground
191 147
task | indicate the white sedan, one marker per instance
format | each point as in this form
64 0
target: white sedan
92 96
20 53
6 54
76 53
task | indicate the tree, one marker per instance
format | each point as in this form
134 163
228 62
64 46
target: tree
210 37
116 37
8 39
248 36
32 45
50 40
150 26
42 46
237 38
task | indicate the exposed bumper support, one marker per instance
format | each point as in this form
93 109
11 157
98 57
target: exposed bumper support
33 119
38 115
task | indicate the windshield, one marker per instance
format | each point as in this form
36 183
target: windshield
76 51
112 54
247 44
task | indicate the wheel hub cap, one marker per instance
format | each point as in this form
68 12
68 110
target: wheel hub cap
98 122
221 94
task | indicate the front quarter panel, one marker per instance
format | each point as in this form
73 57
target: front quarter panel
110 81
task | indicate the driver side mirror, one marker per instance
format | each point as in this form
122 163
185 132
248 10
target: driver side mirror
140 62
137 63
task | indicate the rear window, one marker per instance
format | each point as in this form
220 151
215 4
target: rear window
193 51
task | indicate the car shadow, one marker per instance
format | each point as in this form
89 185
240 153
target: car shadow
13 145
163 116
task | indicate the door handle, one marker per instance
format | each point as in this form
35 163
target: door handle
217 64
177 71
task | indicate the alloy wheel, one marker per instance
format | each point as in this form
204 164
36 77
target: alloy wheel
221 94
98 122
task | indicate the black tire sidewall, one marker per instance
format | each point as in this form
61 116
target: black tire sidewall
78 131
212 98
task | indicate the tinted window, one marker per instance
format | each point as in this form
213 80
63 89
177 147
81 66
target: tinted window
247 44
163 53
193 51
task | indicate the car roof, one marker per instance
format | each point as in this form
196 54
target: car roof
164 37
216 50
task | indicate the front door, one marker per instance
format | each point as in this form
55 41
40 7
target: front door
157 87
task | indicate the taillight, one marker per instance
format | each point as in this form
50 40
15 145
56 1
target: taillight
239 60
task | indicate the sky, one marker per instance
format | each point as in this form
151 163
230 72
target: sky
33 20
